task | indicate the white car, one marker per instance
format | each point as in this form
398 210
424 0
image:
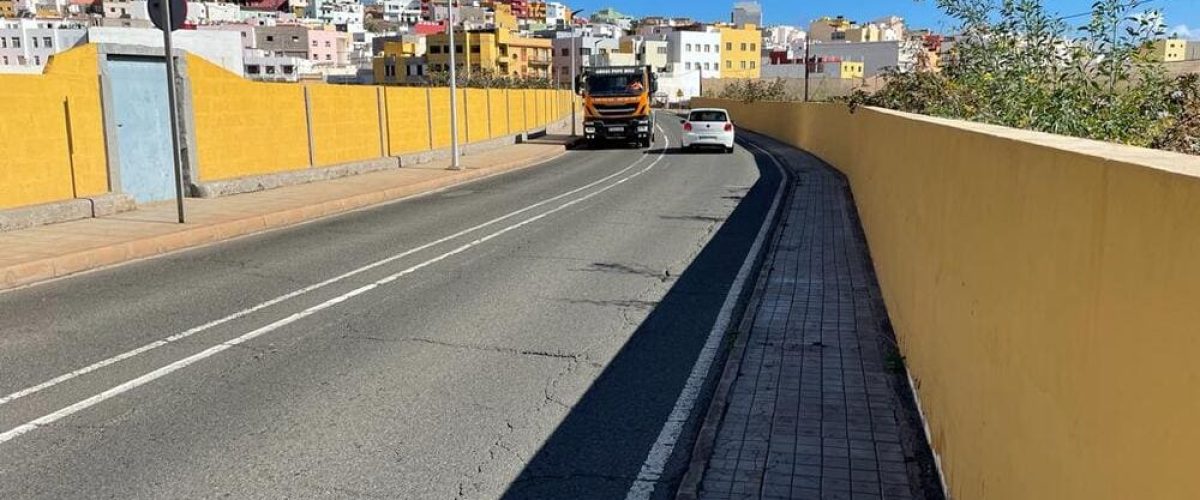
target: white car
708 127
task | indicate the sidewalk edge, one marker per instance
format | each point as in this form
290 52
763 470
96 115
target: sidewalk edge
45 270
689 486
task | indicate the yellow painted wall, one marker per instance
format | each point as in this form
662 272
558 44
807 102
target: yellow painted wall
1043 290
499 112
39 161
476 109
345 123
441 117
408 120
517 111
245 128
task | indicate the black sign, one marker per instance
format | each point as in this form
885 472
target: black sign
157 11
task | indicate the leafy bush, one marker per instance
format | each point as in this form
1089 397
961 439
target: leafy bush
755 90
1018 65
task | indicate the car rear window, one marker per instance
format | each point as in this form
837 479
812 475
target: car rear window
707 116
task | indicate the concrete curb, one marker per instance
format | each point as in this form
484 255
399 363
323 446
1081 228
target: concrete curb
689 485
29 273
67 210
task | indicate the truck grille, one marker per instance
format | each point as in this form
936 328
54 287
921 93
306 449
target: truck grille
617 110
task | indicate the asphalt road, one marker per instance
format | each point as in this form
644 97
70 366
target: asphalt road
479 343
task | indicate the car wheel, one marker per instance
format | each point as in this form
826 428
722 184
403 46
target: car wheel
729 150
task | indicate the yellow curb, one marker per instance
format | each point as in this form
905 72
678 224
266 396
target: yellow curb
32 272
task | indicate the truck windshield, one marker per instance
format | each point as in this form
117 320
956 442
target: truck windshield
615 84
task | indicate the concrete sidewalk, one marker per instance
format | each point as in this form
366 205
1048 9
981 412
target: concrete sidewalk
37 254
814 402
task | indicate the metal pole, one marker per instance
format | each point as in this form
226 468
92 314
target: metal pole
807 68
454 161
574 91
172 101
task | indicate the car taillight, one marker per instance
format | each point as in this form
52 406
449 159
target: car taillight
687 126
728 127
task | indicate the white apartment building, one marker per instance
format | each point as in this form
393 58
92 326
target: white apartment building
125 9
875 56
406 12
696 50
199 13
783 37
557 14
648 51
586 44
31 42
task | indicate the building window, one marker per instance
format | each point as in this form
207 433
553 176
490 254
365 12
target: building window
16 42
270 70
3 43
566 52
295 39
314 44
458 49
48 42
753 64
288 69
328 57
252 69
662 50
327 45
436 49
35 41
728 45
728 64
270 38
687 66
37 60
743 46
753 47
687 48
474 49
743 64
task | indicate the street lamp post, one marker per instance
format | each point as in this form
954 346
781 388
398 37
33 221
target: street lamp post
574 68
455 164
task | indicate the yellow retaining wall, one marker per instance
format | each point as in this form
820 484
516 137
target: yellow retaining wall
245 128
516 111
242 128
499 112
1044 292
345 123
408 120
44 157
476 109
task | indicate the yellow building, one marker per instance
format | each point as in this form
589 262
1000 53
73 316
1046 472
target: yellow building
850 70
498 52
1169 50
537 11
840 29
8 8
740 51
398 61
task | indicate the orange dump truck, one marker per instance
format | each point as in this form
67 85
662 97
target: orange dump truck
616 103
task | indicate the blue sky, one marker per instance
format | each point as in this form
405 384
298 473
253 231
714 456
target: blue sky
924 13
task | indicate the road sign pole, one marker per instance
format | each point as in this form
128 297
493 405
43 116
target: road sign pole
172 101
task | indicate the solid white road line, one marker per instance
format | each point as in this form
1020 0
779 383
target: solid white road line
216 349
283 298
656 461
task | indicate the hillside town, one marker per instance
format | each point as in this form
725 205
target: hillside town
405 41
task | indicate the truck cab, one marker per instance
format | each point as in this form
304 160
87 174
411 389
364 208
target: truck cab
616 103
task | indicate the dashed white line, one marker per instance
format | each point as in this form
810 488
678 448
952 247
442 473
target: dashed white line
50 418
291 295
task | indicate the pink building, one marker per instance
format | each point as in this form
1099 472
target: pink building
329 47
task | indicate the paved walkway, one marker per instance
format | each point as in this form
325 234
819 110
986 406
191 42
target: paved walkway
819 408
46 252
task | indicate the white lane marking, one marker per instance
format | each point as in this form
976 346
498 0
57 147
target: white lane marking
216 349
656 461
283 298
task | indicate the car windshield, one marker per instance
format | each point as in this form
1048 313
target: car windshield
615 84
707 116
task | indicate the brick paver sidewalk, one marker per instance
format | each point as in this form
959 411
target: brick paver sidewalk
819 407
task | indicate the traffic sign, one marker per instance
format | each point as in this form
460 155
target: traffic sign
178 10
